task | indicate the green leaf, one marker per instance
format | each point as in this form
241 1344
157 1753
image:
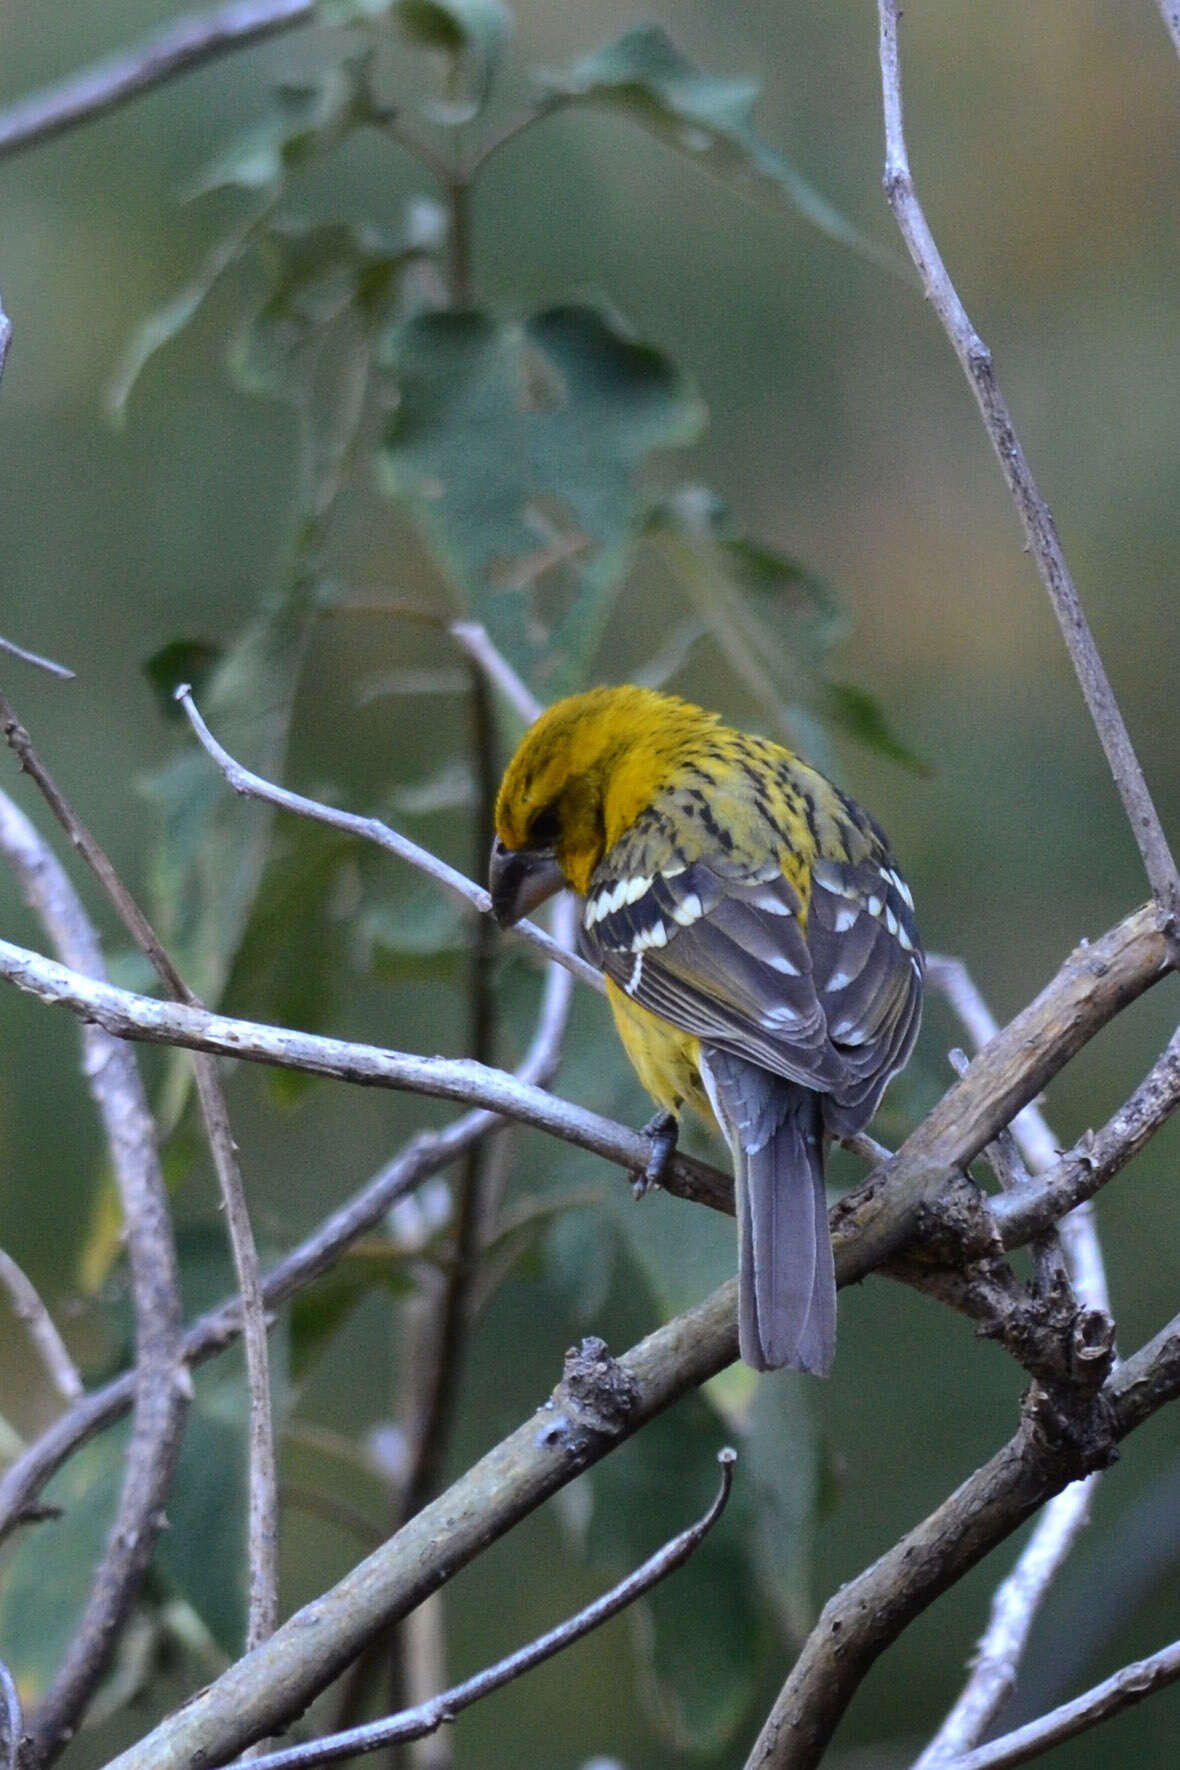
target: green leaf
181 660
316 275
858 713
307 120
472 34
414 934
643 75
772 619
161 327
50 1566
518 451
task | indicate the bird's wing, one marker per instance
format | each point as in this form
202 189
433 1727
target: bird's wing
830 1002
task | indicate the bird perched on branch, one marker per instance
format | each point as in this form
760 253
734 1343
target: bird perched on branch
761 958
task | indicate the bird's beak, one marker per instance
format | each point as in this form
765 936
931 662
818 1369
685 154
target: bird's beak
520 879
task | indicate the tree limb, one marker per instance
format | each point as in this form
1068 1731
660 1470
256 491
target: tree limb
160 1384
598 1403
1051 1449
424 1155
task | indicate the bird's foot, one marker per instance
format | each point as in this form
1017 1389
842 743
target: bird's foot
662 1132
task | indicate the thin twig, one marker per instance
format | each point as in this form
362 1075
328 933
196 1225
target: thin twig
371 829
161 1387
1035 517
426 1154
1170 13
473 638
1058 1191
1127 1687
108 84
5 341
262 1501
1018 1598
30 1309
429 1716
33 657
11 1723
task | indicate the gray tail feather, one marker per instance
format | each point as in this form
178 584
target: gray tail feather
786 1275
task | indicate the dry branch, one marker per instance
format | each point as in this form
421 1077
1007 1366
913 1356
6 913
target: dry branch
599 1403
1127 1687
160 1384
417 1723
1035 516
106 85
262 1501
1050 1449
424 1155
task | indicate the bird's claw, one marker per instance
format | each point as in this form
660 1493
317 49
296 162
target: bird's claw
662 1132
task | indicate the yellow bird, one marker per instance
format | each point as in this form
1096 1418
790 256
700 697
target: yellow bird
761 957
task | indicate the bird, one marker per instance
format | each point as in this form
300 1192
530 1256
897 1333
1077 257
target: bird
761 956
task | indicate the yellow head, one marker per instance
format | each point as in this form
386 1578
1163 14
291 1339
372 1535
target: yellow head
581 776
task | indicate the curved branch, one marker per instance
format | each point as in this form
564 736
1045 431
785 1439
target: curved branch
160 1386
107 85
865 1616
1127 1687
1035 517
429 1716
371 829
599 1403
28 1307
262 1501
424 1155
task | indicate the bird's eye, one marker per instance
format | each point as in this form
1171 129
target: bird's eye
545 828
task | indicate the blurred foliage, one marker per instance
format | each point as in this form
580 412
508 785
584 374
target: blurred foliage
434 405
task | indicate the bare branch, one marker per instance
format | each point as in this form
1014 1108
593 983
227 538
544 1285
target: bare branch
1035 517
473 637
262 1502
1015 1605
424 1155
43 1332
1170 13
1051 1449
371 829
1127 1687
5 341
160 1385
11 1723
107 85
599 1403
1096 1158
429 1716
18 651
1019 1597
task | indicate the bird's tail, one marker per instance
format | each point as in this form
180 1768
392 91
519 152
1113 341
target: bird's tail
786 1276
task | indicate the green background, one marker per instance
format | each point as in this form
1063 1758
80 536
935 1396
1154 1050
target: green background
1046 146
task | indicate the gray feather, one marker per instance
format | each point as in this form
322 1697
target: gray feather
786 1276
